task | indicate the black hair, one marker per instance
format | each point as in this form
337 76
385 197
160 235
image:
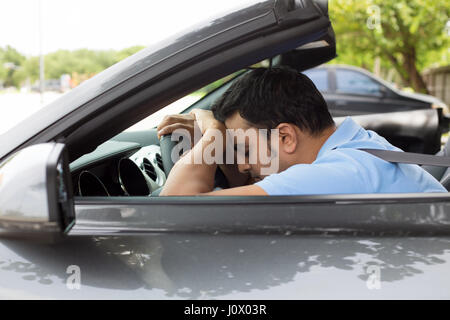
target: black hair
268 97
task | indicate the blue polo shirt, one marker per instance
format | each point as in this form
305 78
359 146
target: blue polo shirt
341 168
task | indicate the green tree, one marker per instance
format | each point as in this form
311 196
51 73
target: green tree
10 61
3 73
15 68
28 70
407 35
122 54
83 61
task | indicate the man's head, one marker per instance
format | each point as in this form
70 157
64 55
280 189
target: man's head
282 99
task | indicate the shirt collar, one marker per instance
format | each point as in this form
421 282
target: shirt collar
343 134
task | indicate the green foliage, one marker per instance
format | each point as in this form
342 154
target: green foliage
10 61
82 63
29 69
3 73
408 35
122 54
11 55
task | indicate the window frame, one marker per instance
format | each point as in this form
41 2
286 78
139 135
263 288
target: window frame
349 214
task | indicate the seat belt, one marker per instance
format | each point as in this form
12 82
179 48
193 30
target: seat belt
409 157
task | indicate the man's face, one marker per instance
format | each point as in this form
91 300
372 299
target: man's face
253 151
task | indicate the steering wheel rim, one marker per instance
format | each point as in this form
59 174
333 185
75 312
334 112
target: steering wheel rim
166 144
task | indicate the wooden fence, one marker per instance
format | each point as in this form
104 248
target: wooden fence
438 82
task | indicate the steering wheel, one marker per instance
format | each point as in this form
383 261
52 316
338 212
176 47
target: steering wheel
166 144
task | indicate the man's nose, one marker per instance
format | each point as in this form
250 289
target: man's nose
244 168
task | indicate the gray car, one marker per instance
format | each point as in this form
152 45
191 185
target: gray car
350 90
80 217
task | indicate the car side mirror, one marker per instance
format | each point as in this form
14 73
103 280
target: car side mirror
36 198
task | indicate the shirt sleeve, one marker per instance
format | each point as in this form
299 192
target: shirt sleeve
310 179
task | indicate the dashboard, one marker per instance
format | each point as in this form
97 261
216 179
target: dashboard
118 168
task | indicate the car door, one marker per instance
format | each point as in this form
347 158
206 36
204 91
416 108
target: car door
341 248
251 247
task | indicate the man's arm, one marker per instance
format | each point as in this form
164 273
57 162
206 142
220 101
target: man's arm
187 121
190 177
250 190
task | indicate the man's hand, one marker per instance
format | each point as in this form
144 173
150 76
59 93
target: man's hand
205 120
176 121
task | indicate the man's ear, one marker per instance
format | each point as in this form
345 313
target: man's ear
288 137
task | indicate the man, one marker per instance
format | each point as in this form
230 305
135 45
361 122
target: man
312 155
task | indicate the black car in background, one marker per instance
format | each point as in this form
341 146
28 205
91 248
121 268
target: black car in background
351 90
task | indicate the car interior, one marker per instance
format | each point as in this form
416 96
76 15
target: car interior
136 163
109 157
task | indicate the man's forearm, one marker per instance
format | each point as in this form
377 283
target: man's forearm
191 174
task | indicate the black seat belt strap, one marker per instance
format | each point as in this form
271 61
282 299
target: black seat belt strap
410 157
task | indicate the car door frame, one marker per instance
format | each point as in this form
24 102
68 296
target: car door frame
411 214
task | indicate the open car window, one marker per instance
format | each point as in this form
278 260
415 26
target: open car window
131 163
105 169
191 101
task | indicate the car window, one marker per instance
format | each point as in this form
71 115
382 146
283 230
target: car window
176 107
185 103
319 77
348 81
